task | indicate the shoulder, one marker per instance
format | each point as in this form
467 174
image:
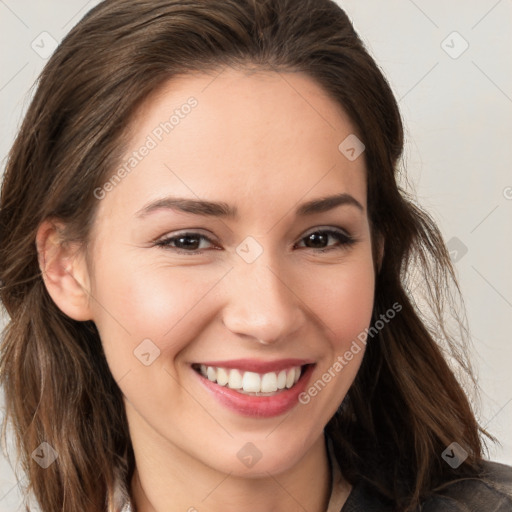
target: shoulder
490 490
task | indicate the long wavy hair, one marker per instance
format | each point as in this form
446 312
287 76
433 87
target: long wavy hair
409 400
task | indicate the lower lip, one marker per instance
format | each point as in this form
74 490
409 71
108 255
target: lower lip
258 406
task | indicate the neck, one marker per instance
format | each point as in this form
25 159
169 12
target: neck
171 481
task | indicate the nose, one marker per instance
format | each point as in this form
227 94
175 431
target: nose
262 303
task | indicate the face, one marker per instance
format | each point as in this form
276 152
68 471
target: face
219 312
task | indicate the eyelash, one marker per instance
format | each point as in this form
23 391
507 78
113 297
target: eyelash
344 241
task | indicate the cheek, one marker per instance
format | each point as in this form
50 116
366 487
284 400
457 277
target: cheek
343 300
136 302
343 303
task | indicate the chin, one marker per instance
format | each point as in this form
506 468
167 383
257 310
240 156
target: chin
256 456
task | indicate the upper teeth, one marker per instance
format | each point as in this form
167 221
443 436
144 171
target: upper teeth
251 381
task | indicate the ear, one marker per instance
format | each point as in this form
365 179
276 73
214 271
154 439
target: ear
64 271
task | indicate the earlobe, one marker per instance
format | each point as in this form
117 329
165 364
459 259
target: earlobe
64 271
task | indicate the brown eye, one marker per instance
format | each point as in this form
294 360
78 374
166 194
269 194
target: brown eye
185 242
319 240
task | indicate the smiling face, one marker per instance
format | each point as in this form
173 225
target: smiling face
218 249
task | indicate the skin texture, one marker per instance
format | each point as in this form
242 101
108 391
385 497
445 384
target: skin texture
263 142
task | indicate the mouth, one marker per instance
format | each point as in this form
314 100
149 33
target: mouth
255 389
250 382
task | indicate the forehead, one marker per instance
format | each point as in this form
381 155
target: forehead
258 136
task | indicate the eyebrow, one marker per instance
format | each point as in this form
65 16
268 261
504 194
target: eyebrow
221 209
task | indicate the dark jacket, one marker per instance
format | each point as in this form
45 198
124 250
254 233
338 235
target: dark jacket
492 492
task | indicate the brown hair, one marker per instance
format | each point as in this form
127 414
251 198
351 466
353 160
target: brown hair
405 405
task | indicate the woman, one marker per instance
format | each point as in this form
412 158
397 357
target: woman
206 261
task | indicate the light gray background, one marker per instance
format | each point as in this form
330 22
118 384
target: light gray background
458 116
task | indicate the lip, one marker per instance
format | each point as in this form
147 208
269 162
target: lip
258 406
258 366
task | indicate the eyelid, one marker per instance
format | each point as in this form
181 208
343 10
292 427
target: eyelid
327 229
185 232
